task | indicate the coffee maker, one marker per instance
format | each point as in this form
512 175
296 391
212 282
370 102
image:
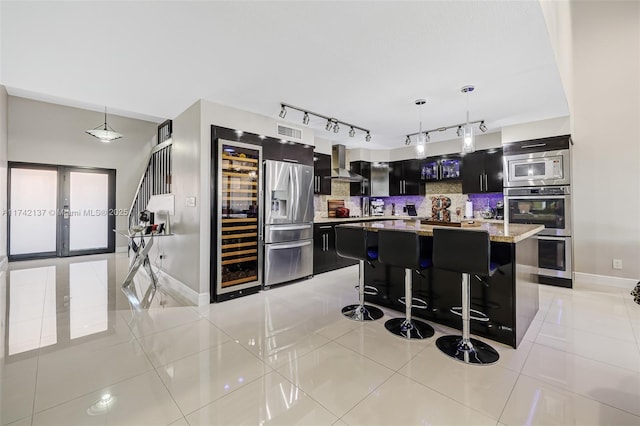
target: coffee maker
377 207
500 210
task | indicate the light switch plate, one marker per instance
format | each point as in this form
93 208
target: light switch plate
617 263
191 201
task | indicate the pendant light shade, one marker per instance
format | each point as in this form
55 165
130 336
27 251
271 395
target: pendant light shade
421 140
104 132
468 141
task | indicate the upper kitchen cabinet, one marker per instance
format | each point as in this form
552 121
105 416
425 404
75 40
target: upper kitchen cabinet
291 152
376 179
482 171
443 168
404 178
322 174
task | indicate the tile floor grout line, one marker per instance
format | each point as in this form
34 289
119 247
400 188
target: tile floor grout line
506 402
367 395
585 396
365 356
35 384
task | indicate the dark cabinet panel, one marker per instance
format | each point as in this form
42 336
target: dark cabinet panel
322 174
405 178
482 171
363 168
325 257
292 152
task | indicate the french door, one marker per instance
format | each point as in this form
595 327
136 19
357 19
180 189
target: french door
59 211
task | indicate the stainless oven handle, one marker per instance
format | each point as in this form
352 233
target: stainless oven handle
534 145
537 197
288 246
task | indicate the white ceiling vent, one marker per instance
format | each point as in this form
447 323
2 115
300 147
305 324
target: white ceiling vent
289 133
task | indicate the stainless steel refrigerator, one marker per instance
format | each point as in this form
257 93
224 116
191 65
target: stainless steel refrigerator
288 222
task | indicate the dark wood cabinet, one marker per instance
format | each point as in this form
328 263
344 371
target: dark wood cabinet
325 257
273 149
482 171
363 168
322 174
404 178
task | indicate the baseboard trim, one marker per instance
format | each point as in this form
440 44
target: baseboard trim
178 287
603 280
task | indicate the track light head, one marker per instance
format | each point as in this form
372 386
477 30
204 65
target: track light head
427 138
283 112
352 132
368 137
459 131
483 127
305 118
329 125
336 128
407 141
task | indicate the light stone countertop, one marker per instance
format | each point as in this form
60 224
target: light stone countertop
515 233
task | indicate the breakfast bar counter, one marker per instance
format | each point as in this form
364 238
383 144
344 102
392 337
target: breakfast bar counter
509 298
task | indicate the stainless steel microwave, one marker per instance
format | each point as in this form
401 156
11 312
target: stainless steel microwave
537 169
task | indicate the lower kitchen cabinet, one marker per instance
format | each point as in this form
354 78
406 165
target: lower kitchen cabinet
325 257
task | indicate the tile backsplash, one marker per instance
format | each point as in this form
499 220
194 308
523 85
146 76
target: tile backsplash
452 190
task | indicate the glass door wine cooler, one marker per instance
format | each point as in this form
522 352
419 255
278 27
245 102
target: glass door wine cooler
239 211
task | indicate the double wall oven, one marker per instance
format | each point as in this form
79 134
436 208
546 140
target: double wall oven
538 191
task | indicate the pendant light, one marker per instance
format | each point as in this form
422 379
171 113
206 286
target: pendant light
468 141
421 140
104 132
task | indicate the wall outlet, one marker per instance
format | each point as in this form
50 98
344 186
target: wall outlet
617 263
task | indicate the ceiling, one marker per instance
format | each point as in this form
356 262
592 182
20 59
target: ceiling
361 62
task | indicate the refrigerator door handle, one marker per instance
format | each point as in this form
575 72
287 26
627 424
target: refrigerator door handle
288 246
291 227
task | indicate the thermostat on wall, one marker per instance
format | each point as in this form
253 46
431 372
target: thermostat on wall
191 201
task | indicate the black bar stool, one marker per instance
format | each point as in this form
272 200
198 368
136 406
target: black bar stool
467 252
401 248
352 243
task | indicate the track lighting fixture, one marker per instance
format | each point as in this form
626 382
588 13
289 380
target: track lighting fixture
427 137
459 131
407 141
482 127
332 123
468 141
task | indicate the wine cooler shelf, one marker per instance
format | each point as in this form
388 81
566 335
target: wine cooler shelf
238 217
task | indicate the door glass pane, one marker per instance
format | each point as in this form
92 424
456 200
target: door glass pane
551 254
89 205
32 309
549 212
34 195
89 298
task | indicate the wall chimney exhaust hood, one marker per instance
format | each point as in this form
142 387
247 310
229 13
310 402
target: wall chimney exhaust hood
342 174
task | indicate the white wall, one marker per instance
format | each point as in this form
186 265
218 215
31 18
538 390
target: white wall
182 250
3 171
605 110
41 132
536 129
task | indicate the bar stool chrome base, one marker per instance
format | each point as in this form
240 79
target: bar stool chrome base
362 312
471 351
409 329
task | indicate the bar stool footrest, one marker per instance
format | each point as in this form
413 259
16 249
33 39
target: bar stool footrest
479 316
415 302
362 312
413 329
369 290
472 352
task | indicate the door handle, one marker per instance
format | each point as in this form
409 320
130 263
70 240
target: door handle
486 186
288 246
480 182
325 245
535 145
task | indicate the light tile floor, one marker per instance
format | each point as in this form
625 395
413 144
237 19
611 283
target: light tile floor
287 356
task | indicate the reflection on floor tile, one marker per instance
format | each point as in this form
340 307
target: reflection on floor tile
536 403
72 343
140 400
272 399
401 401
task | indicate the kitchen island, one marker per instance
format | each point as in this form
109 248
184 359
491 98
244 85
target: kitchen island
509 298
